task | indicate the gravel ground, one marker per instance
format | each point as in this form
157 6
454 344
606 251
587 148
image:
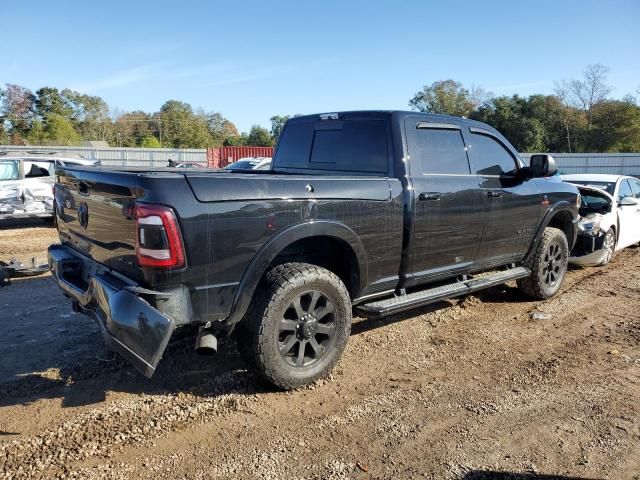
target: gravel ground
489 386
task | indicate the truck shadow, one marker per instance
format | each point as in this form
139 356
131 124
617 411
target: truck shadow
73 365
90 381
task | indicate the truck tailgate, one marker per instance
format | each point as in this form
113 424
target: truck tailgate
95 215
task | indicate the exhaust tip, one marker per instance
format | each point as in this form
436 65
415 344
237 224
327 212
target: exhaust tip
206 342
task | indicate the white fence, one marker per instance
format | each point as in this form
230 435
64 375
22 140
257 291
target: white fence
129 157
615 163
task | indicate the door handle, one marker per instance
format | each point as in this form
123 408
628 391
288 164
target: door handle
429 196
494 194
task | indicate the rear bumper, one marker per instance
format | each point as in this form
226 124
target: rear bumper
130 325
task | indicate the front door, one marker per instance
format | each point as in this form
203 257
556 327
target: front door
629 215
448 206
512 204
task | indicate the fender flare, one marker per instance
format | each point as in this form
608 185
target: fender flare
561 206
270 250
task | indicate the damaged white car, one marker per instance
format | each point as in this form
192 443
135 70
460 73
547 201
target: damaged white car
26 182
610 216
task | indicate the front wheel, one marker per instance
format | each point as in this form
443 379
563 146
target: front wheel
548 265
608 245
297 325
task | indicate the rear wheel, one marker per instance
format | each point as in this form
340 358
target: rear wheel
608 245
297 325
548 265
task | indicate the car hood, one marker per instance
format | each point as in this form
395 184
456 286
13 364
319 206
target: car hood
593 191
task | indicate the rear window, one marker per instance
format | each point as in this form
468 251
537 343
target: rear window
9 170
350 146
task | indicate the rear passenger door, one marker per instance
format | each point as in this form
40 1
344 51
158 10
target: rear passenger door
511 203
37 192
448 211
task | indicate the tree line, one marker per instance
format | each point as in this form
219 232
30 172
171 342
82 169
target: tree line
65 117
579 116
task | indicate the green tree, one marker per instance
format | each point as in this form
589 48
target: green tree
59 131
131 128
150 142
220 128
18 108
37 135
236 140
277 124
615 127
511 116
182 128
259 137
445 96
49 101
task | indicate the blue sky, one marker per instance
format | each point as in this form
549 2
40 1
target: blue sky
250 60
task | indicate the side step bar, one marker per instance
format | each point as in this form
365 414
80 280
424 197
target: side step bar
388 306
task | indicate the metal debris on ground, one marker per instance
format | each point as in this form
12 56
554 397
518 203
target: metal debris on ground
15 268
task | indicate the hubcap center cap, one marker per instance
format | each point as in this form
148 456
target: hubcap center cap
308 326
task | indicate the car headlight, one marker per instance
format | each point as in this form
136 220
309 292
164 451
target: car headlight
589 226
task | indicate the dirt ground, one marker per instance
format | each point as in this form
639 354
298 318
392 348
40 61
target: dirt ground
490 386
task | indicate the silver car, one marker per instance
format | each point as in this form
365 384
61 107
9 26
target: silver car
26 181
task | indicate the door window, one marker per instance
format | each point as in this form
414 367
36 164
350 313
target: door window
439 151
490 157
635 187
9 170
36 169
624 190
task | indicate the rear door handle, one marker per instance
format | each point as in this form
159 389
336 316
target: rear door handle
494 194
429 196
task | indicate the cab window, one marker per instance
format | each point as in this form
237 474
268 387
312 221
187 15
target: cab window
438 151
490 157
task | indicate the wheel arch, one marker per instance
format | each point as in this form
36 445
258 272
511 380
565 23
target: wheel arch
291 244
562 216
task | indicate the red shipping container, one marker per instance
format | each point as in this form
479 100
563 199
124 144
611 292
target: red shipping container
219 157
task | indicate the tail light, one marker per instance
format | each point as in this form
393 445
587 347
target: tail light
158 242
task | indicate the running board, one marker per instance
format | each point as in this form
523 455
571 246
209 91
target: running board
396 304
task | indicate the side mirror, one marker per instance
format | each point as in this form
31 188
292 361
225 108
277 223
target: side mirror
542 165
628 201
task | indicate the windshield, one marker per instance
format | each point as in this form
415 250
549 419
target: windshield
242 165
9 170
608 187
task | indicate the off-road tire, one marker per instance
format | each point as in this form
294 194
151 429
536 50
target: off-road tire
610 236
259 333
552 245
